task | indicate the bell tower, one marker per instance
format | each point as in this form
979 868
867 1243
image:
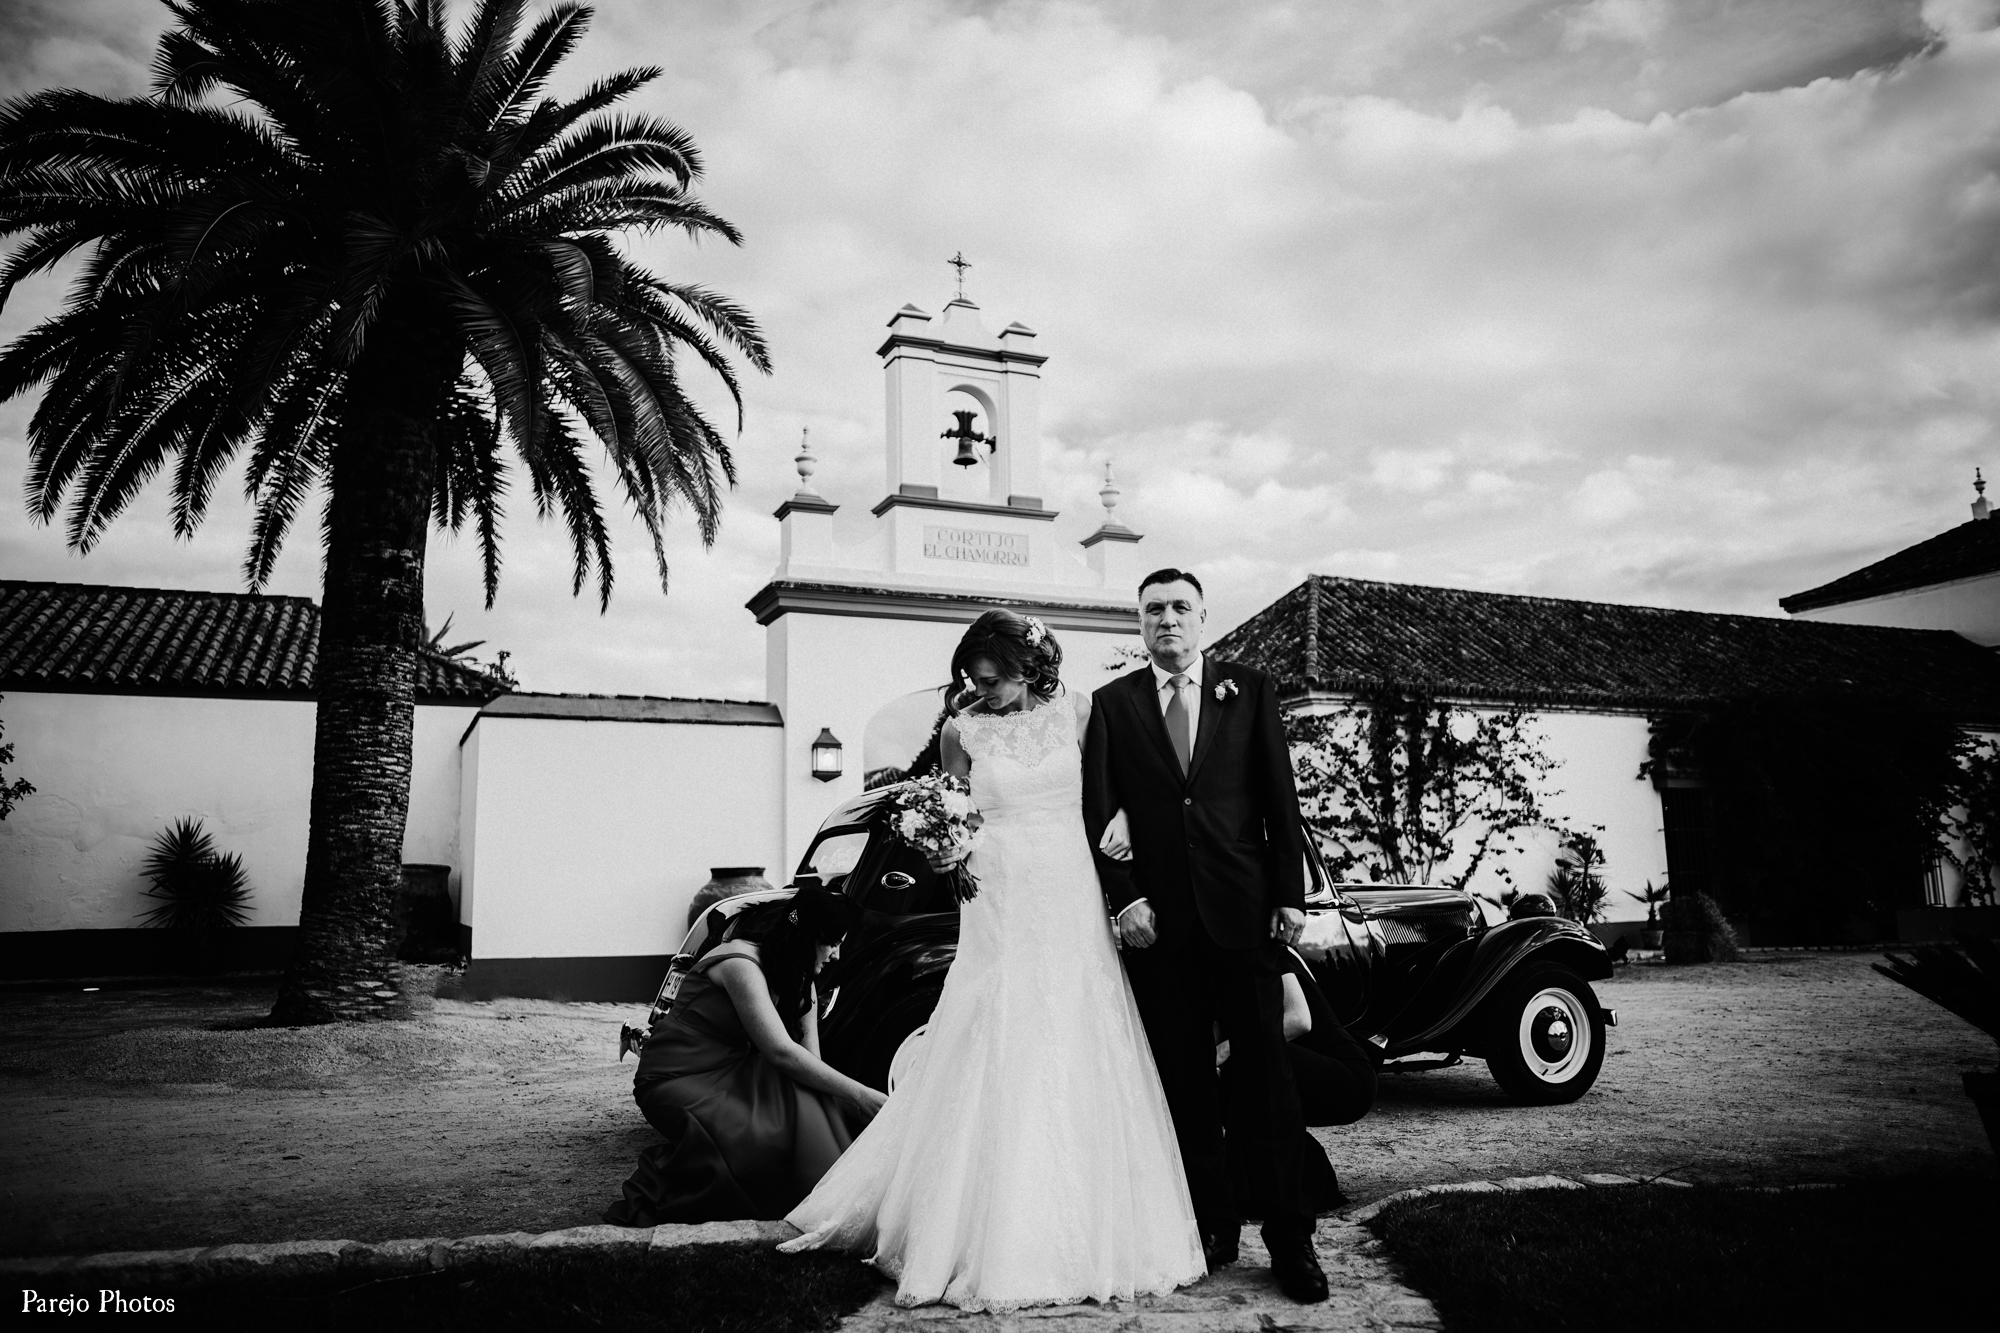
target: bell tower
859 619
925 363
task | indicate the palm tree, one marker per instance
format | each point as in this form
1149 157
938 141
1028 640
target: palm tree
366 252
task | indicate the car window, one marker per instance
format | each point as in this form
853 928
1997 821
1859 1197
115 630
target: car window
837 855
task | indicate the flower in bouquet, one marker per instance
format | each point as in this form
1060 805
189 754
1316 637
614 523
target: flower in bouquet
935 815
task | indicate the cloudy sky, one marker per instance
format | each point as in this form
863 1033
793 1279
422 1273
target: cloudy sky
1691 303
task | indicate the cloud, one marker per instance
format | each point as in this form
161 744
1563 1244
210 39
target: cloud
1334 294
1961 18
1635 21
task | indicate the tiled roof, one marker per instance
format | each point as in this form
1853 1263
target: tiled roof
1970 549
1344 635
635 708
80 637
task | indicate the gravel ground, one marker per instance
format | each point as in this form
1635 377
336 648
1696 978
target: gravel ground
132 1124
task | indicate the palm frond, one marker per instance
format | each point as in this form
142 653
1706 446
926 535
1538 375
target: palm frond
518 144
1964 979
521 78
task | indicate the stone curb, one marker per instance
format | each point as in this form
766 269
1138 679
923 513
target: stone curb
1367 1211
368 1261
371 1261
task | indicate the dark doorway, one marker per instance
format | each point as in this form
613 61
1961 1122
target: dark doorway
1688 815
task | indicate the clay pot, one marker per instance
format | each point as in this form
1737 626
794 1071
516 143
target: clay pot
725 882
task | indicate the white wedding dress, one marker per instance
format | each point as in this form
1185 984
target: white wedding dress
1027 1157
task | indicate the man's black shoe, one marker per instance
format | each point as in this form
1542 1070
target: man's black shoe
1298 1272
1219 1249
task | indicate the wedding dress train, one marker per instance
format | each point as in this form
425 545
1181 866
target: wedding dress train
1028 1157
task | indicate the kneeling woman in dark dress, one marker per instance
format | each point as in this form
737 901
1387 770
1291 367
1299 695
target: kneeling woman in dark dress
750 1116
1335 1079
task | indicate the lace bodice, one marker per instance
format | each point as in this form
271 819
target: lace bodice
1025 764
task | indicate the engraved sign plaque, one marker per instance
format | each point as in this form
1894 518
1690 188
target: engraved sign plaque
975 546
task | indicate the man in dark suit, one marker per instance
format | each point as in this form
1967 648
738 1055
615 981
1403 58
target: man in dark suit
1192 751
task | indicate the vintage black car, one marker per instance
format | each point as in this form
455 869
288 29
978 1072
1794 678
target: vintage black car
1415 972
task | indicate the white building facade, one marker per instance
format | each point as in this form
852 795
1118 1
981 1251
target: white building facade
859 634
575 828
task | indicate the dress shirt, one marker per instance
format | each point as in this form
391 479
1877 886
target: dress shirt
1191 700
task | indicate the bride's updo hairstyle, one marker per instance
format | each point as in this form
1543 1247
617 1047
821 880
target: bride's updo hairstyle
1019 645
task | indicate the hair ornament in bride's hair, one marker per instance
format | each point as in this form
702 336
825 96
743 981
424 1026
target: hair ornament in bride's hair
1021 647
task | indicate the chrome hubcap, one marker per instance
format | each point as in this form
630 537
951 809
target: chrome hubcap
1554 1035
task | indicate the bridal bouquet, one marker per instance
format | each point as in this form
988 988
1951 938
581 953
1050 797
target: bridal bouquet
934 814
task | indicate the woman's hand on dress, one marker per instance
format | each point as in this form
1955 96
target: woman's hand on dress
870 1101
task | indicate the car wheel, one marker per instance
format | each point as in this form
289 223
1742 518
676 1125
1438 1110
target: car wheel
885 1053
1544 1040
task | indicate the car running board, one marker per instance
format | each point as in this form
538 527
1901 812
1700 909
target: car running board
1409 1066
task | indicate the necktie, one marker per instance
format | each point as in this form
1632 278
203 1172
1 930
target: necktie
1177 723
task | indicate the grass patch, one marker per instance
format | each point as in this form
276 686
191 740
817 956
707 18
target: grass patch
705 1289
1887 1254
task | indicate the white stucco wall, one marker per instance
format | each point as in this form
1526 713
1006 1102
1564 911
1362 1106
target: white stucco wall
588 838
1969 606
1596 783
112 771
859 665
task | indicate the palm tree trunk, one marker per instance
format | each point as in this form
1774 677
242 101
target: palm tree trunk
378 511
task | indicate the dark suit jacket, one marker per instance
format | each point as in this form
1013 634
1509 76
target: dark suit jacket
1220 847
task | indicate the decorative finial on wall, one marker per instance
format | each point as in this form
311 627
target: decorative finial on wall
1108 494
805 462
1980 508
961 263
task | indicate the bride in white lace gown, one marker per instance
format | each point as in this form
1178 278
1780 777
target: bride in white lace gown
1028 1157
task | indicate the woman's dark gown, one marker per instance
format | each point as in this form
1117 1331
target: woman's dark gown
739 1137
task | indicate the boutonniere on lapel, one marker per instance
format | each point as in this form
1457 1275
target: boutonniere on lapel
1226 690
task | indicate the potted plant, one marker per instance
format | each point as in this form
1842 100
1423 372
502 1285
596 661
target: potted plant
1966 980
1650 933
202 892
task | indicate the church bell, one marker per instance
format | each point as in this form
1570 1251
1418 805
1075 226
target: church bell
967 437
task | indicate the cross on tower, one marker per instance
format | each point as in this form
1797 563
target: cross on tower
961 263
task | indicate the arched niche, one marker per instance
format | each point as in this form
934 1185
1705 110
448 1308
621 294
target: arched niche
976 483
897 731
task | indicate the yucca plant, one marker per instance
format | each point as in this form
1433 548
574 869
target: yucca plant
202 890
1576 884
1652 897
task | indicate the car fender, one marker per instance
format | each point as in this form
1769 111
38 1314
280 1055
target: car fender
1503 950
888 967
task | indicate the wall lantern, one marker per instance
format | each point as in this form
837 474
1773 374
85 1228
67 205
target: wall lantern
827 760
